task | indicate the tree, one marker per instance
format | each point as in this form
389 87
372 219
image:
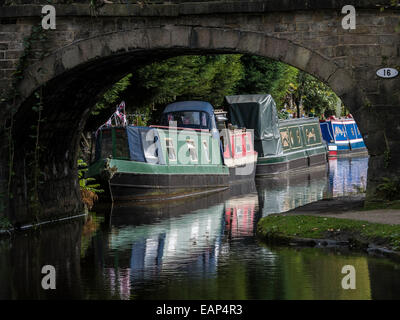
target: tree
317 97
211 77
188 77
260 75
149 88
207 78
266 76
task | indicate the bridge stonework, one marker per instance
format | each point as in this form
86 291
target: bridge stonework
91 49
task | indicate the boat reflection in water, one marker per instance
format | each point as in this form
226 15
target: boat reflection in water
288 191
347 176
168 242
202 248
342 177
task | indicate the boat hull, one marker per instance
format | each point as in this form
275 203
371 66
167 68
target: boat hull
151 187
351 152
131 181
243 173
346 151
343 138
291 162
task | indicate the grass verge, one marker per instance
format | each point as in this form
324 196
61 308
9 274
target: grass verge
293 228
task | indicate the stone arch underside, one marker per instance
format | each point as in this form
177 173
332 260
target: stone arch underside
72 77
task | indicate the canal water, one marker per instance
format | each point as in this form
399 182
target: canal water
201 248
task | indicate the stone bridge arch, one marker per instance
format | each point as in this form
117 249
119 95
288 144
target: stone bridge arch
84 65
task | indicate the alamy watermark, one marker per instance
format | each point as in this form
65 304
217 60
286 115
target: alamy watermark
49 20
49 280
349 281
349 21
201 147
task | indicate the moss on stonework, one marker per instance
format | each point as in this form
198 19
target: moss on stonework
285 228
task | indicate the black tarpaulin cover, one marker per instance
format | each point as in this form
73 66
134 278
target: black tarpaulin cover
257 112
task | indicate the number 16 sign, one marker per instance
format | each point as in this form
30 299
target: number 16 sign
387 73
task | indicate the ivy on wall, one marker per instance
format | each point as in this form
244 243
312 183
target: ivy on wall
10 100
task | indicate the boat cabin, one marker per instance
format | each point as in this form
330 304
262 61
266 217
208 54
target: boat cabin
342 136
282 145
157 145
189 114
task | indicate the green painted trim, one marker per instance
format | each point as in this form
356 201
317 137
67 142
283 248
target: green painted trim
294 155
134 167
113 138
268 160
147 168
315 151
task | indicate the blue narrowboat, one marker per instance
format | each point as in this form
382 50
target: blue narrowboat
342 137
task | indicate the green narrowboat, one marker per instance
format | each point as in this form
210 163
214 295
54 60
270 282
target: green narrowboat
140 163
282 145
184 156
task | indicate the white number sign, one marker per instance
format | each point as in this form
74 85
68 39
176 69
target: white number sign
387 73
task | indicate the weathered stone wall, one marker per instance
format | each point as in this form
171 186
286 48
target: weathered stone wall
87 53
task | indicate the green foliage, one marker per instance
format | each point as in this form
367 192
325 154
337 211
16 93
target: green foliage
188 77
33 157
260 75
112 95
149 88
389 189
387 154
263 75
140 117
85 183
318 97
287 85
5 223
37 37
387 158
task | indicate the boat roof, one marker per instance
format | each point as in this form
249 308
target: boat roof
257 99
190 106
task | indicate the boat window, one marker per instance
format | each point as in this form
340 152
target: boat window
204 119
170 149
248 145
238 144
206 152
192 150
106 144
187 119
121 144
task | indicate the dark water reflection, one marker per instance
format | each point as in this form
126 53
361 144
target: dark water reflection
198 249
346 176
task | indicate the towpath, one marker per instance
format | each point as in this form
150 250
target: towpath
347 208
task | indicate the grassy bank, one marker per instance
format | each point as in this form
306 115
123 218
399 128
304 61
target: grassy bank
299 228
